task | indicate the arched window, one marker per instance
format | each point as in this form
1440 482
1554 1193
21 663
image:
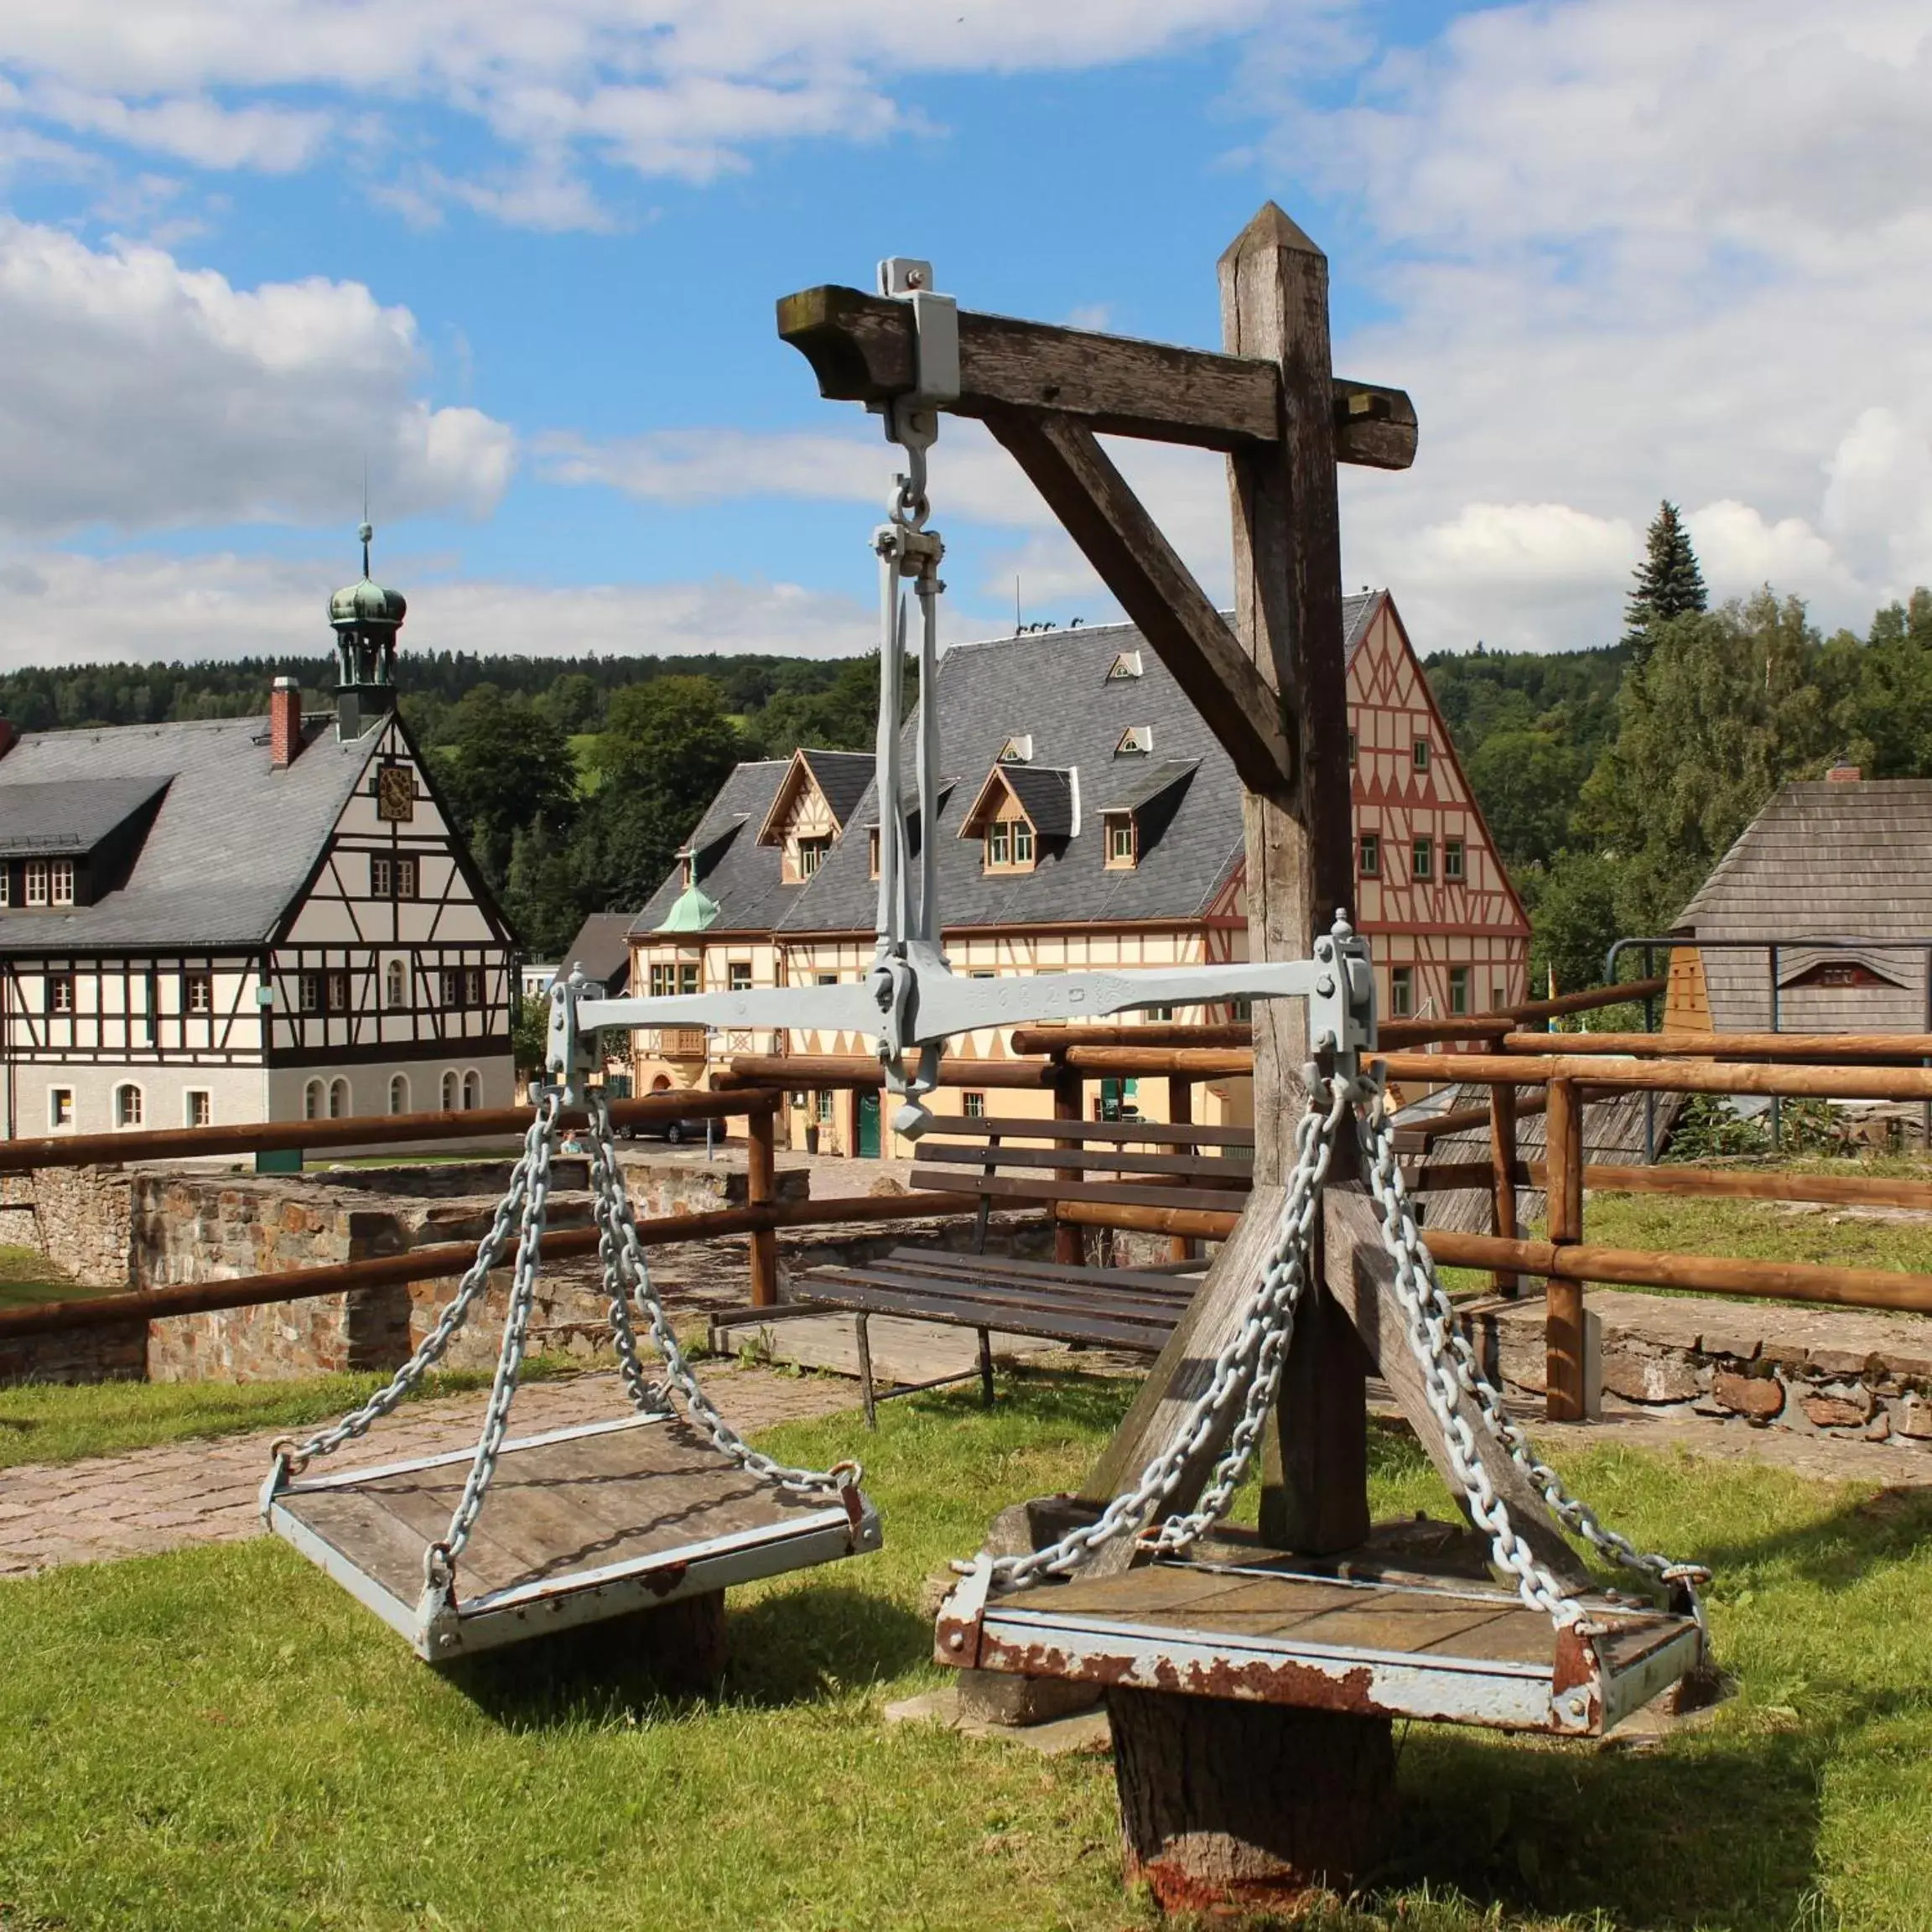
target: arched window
127 1106
472 1091
449 1093
398 993
398 1093
338 1100
313 1101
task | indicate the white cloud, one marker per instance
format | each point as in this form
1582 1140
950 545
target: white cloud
139 393
684 88
67 608
1630 252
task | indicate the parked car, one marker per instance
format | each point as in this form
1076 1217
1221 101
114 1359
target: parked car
676 1131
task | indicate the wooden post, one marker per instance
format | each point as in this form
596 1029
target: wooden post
1299 846
761 1164
1068 1242
1180 1109
1563 1304
1502 1159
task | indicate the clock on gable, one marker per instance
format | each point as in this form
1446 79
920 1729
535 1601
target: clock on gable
395 794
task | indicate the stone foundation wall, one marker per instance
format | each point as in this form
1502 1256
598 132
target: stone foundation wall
80 1218
1831 1372
115 1353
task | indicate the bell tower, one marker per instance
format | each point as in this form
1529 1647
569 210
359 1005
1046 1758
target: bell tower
365 619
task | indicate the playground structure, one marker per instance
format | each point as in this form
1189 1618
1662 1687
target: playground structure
1252 1679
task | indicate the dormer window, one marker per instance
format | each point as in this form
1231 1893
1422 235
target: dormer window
1123 841
1135 740
1018 750
812 855
1009 845
1126 665
872 852
50 881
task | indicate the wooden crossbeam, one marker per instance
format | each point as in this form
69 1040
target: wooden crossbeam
1063 459
861 348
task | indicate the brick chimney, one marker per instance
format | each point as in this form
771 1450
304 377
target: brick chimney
8 736
1843 774
285 722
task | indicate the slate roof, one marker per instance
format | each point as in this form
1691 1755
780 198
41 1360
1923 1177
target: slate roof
1825 858
734 868
1053 684
233 843
1045 796
1137 781
68 814
844 777
602 948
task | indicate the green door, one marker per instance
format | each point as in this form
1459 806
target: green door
868 1126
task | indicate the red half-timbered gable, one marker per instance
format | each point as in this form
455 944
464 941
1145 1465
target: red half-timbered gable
1450 935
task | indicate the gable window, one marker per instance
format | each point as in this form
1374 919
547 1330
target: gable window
670 981
127 1106
1452 859
1009 845
812 855
1419 754
1458 988
1121 855
1402 991
198 992
338 989
1371 856
1136 737
59 1107
393 875
738 975
197 1108
1018 750
396 984
60 992
1422 859
463 985
1126 665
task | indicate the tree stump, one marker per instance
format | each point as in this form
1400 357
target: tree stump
1225 1804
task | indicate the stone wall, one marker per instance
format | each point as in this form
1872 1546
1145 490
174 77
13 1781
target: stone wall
116 1352
80 1218
1817 1371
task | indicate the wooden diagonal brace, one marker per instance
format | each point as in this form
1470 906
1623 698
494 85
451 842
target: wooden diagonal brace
861 348
1067 466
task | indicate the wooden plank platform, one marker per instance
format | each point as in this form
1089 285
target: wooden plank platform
580 1525
1450 1650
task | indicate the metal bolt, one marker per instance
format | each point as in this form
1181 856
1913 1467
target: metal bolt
1325 985
957 1641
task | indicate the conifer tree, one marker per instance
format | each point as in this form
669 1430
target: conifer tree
1669 583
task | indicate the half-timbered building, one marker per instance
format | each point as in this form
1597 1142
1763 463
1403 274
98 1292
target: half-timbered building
267 918
1086 817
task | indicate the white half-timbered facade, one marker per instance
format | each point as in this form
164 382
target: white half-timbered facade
218 923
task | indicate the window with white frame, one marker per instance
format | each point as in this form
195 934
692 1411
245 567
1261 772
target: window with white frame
60 881
449 1091
197 1108
6 884
60 1108
314 1100
974 1106
398 1093
1452 859
1402 991
392 875
36 881
198 992
472 1090
1121 855
341 1102
60 993
128 1105
1458 988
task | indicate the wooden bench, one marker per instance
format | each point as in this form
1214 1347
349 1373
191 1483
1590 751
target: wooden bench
1105 1173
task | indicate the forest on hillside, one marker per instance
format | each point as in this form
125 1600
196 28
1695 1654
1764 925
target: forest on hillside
1613 778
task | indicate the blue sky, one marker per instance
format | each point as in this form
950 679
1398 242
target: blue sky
522 259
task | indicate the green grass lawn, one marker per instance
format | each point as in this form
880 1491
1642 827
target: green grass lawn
222 1738
28 1277
42 1422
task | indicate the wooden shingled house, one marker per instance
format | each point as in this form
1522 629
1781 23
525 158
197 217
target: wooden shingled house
1818 918
1087 818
